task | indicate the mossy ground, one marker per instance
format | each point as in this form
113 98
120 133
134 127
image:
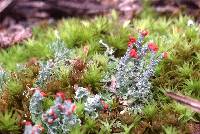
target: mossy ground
179 73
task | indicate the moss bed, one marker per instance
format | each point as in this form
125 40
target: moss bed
179 73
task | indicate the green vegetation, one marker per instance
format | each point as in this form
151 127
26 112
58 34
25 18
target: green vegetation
14 87
150 110
9 122
170 130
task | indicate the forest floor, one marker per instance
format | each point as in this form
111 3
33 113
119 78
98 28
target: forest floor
180 73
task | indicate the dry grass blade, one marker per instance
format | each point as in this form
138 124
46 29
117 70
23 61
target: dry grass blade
190 102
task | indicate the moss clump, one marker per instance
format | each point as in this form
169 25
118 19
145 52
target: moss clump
9 122
14 88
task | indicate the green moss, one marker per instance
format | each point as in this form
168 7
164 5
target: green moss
185 114
93 76
185 70
20 54
80 109
9 122
192 87
14 87
170 130
106 127
101 60
150 110
90 126
74 32
77 130
47 103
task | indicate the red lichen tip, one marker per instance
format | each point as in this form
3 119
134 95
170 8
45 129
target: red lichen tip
43 94
132 39
41 128
60 94
51 111
68 101
144 33
28 123
165 55
133 53
105 106
68 112
129 44
60 107
152 46
50 121
55 116
74 108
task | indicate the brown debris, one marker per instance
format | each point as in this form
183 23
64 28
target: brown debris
5 4
194 128
27 13
4 101
173 7
77 71
142 127
15 34
31 11
129 8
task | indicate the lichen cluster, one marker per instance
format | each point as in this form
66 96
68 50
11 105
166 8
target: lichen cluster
130 81
59 118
